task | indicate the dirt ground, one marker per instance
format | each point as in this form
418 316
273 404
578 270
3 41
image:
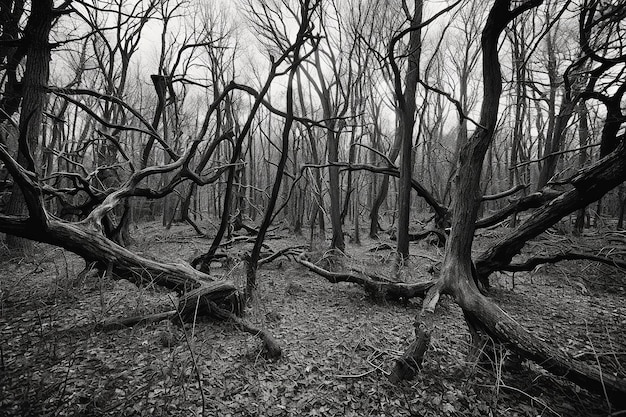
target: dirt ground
339 344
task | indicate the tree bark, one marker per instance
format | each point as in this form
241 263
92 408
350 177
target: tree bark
11 13
334 185
377 287
583 140
589 185
482 315
253 260
34 83
406 110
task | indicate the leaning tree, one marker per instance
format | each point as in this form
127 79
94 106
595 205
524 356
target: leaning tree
88 233
457 277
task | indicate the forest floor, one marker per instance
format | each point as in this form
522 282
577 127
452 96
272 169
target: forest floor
339 344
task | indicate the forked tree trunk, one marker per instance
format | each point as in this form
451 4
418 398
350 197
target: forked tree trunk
253 260
482 315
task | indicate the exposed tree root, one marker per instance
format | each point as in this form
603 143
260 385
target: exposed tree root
485 317
410 363
504 329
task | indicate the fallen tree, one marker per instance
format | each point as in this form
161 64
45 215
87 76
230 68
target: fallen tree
587 186
531 201
378 287
199 294
535 261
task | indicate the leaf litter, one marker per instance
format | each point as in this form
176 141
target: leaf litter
339 343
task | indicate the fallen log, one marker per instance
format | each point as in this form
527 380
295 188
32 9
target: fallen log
378 288
532 263
531 201
588 185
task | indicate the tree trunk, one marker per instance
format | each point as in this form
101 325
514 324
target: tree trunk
589 185
253 260
482 315
622 206
519 57
376 205
407 107
552 135
583 140
34 83
334 185
384 189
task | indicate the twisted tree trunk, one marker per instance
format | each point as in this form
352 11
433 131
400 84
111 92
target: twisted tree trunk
485 318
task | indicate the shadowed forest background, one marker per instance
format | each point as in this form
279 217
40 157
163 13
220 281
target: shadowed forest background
408 207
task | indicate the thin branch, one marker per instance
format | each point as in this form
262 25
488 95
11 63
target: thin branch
457 103
505 193
532 161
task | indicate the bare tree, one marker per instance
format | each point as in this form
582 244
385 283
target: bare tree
294 54
406 110
36 49
333 91
484 318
